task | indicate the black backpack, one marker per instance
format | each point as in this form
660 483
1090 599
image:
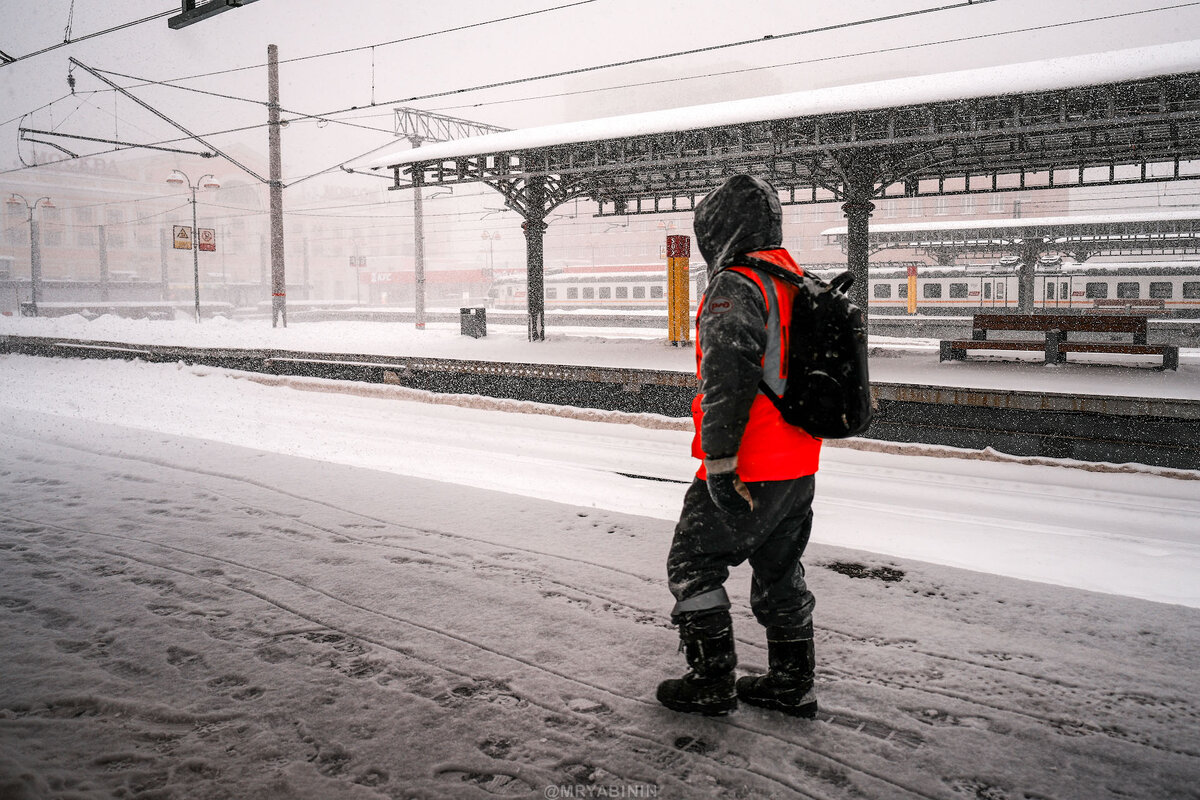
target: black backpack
828 390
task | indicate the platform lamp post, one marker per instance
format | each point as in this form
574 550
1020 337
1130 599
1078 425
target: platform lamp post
35 246
206 182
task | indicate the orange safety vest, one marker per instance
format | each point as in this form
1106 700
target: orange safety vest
771 449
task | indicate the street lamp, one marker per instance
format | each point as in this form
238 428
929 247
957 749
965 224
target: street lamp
206 182
35 246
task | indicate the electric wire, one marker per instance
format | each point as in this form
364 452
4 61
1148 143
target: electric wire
85 37
664 81
879 51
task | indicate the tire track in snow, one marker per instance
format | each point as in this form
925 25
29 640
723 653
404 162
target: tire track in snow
313 618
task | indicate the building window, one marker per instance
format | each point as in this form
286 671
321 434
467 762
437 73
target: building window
932 291
1096 290
656 292
997 204
968 202
572 293
639 293
914 207
889 209
1161 289
114 229
1128 290
883 290
958 290
51 228
943 206
622 292
606 293
1191 290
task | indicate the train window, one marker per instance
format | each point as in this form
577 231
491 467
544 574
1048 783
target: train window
639 292
987 291
510 291
999 290
933 291
1191 290
883 290
1096 290
551 293
1050 290
958 290
572 293
656 292
1129 289
902 291
589 293
606 293
1162 289
622 292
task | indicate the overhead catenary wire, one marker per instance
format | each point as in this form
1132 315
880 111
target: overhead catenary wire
67 41
803 62
898 48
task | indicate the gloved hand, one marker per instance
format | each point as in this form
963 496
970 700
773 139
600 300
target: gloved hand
726 488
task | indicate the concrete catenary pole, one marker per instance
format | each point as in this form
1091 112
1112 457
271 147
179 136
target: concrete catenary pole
278 281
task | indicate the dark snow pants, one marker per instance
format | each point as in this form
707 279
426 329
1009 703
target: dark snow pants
773 537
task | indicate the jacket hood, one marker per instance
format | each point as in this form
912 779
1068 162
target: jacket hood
741 216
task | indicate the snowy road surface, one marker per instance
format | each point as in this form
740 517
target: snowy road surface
366 601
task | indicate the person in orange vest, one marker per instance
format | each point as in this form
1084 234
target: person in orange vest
752 495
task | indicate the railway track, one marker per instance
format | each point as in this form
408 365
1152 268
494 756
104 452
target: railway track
1152 431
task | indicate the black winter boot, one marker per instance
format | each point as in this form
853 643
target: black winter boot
707 639
788 686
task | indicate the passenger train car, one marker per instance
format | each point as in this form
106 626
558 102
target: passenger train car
1163 288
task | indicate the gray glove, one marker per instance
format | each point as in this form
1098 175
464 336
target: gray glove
726 488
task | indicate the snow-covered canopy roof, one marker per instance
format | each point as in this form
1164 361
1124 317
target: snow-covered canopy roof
1048 75
1151 220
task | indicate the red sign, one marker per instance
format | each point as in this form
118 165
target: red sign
207 239
679 246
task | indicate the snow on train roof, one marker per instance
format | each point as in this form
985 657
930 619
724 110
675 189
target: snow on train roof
1023 222
1048 75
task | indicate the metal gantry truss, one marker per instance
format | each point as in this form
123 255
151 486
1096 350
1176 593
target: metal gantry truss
1135 131
426 126
1080 238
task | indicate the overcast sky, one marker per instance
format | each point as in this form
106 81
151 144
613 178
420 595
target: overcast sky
461 47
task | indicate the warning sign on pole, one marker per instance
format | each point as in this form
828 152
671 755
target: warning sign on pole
183 237
207 238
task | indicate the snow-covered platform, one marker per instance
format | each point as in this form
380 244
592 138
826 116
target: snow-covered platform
186 616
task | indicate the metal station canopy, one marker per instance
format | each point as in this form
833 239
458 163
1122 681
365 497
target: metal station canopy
1079 236
1131 116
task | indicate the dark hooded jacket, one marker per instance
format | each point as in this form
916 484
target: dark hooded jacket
735 324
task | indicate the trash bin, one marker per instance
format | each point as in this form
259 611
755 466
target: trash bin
473 322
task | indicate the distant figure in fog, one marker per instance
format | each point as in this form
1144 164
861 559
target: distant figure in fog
752 495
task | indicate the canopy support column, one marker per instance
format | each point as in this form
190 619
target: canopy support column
1030 251
859 188
535 236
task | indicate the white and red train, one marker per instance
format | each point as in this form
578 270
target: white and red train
1166 288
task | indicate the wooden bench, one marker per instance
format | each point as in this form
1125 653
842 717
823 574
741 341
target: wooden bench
1055 329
